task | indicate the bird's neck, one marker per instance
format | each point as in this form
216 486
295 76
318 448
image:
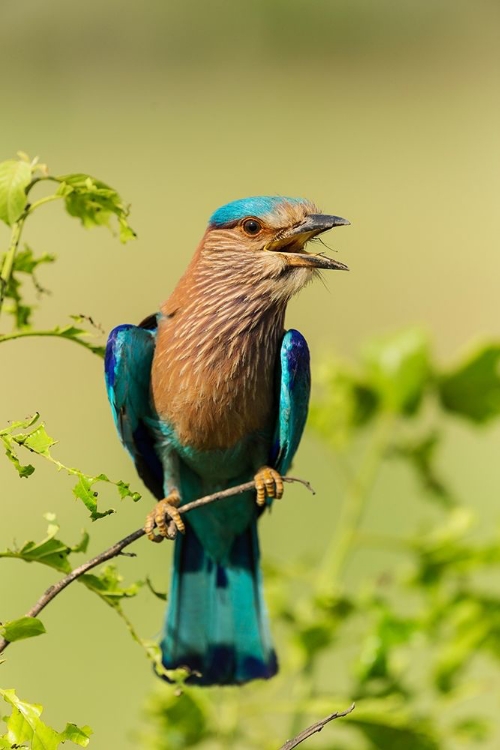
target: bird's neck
214 368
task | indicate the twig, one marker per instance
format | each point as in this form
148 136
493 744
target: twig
117 548
306 733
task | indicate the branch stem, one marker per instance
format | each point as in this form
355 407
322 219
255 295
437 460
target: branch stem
317 727
116 549
10 256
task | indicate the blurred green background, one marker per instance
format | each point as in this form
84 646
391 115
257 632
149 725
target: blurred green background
386 113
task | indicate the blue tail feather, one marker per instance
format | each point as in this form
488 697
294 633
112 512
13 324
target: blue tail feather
216 621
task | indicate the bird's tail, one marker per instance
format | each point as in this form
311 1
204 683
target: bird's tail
216 621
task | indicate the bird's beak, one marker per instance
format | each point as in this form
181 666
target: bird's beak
291 242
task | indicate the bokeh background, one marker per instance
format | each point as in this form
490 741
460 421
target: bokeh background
386 113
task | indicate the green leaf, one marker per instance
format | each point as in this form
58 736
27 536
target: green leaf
10 444
398 369
24 470
94 203
37 441
159 594
25 627
107 585
472 389
15 176
83 490
124 490
27 262
50 551
78 735
24 725
69 332
23 424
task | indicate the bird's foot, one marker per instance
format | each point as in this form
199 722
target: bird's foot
268 483
165 521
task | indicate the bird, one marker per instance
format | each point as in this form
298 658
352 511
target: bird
210 392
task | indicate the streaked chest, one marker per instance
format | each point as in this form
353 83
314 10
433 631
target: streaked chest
214 371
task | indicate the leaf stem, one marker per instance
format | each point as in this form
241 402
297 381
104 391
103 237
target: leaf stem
41 202
95 348
10 256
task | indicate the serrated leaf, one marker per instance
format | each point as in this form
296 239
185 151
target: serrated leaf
25 627
107 585
94 203
125 491
472 389
37 441
15 176
78 735
24 725
23 424
24 470
27 262
50 551
83 490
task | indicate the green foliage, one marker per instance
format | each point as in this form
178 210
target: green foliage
90 200
26 729
15 176
18 630
37 441
404 644
94 203
50 551
472 389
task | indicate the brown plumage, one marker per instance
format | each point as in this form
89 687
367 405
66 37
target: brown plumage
218 340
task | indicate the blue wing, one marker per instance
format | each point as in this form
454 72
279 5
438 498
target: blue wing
295 387
129 355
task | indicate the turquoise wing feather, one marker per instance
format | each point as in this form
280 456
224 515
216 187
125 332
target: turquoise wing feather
295 387
129 355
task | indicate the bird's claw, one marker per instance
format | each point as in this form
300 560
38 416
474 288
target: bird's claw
268 483
164 521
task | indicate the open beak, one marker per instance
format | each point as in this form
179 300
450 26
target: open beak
292 241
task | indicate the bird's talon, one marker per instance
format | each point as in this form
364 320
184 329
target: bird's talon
164 521
268 483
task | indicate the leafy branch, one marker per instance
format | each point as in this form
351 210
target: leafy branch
37 441
84 197
19 629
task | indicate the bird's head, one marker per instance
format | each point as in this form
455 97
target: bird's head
269 235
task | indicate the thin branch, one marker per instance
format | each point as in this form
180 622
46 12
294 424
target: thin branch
317 727
117 548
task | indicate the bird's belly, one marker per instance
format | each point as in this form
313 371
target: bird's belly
206 472
220 466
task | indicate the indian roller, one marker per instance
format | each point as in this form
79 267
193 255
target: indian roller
209 393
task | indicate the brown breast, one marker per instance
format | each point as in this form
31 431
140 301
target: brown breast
214 366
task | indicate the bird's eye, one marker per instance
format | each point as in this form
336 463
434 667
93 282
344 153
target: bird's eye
251 227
